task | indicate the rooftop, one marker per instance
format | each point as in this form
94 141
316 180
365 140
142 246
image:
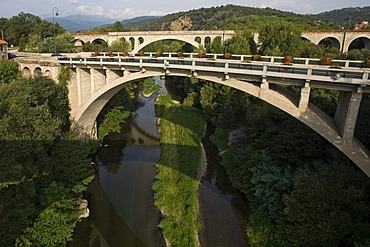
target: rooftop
3 42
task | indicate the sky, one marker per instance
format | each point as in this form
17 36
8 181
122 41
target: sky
126 9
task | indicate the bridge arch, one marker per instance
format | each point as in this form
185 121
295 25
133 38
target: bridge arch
37 71
48 74
26 72
99 41
312 116
330 42
78 42
160 38
359 43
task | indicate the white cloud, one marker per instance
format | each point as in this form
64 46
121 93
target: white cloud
90 10
74 2
288 5
99 10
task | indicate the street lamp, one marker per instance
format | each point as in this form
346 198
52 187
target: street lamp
55 12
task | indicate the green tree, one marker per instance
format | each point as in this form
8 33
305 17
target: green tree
120 45
239 44
113 121
62 44
328 207
9 71
27 25
280 39
269 183
221 104
311 50
217 45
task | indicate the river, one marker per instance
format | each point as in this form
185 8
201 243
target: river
121 196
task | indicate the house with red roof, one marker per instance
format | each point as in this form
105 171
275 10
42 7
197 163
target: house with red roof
3 49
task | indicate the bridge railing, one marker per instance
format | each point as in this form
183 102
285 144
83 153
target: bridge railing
270 59
347 75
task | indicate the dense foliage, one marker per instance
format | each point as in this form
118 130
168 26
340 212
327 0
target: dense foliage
43 166
26 30
116 111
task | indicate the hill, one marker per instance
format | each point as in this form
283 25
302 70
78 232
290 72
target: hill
234 17
74 23
139 22
347 16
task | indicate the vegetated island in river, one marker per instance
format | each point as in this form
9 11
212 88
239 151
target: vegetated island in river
176 185
150 87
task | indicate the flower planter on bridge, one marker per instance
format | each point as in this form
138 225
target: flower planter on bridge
326 60
288 60
256 57
227 55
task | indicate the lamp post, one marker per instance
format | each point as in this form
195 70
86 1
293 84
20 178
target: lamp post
55 12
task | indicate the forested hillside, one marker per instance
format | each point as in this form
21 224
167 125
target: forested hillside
234 17
347 16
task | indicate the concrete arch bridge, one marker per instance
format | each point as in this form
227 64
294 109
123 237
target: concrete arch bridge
96 80
139 40
344 40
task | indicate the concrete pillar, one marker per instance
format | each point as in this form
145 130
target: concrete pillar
99 79
304 96
112 75
89 131
264 84
346 113
83 85
137 43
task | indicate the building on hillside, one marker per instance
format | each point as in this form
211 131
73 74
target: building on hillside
362 26
3 49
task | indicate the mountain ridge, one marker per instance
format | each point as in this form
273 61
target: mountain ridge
223 17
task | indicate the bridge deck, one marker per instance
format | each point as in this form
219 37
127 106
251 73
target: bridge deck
331 77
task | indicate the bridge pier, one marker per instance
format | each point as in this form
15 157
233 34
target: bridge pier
304 95
89 132
83 85
346 113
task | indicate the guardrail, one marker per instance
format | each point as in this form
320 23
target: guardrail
349 75
270 59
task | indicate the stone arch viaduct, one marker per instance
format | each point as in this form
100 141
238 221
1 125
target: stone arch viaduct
95 80
341 39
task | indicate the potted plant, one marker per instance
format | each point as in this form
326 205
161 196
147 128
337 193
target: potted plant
158 53
124 54
256 57
227 55
326 60
110 53
96 53
141 53
367 63
288 60
201 54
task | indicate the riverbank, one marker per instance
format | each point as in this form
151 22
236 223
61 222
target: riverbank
176 183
